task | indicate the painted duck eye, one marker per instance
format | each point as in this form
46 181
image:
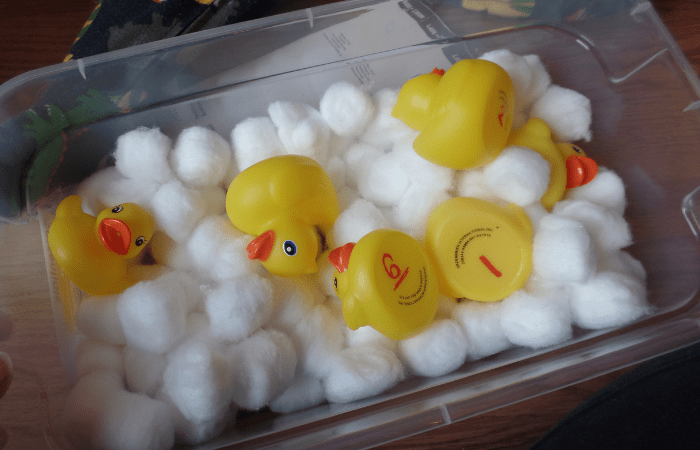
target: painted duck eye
290 248
117 209
139 241
335 282
577 149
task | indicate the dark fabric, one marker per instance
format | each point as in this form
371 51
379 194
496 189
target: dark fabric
117 24
654 406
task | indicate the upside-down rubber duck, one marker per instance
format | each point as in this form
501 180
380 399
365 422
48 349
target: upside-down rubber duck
481 251
289 203
385 281
464 114
569 165
97 253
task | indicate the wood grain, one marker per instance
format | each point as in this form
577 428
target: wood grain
37 33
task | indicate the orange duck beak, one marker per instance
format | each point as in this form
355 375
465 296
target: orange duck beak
115 235
261 247
579 170
340 257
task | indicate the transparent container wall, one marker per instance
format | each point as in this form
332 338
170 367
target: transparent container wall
643 96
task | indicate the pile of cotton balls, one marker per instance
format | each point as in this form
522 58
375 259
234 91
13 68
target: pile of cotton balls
174 357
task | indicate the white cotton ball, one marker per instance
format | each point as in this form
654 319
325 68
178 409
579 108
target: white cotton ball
368 336
481 322
97 318
94 356
142 154
316 329
143 370
239 307
153 314
384 181
197 382
421 171
539 82
361 372
301 129
295 299
563 251
360 218
606 189
622 262
537 320
519 175
336 170
436 351
317 337
262 367
108 188
609 299
253 140
609 230
384 129
411 213
177 209
346 108
99 413
304 391
201 157
217 250
358 158
471 183
567 113
168 252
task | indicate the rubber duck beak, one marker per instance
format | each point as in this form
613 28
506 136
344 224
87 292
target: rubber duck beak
261 247
340 257
115 235
579 171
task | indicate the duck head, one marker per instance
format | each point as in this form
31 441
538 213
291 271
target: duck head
124 229
288 248
580 169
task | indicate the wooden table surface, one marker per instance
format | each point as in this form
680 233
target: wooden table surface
37 33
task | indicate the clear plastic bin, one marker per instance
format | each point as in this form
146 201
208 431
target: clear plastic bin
646 127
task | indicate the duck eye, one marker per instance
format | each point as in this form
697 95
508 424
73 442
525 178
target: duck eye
335 282
290 248
140 240
117 209
577 149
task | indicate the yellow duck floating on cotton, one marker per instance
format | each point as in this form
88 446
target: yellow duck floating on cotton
464 115
473 249
97 253
385 281
289 203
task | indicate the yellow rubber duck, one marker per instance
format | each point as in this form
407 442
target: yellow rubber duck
480 250
464 115
569 165
385 281
289 203
96 253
